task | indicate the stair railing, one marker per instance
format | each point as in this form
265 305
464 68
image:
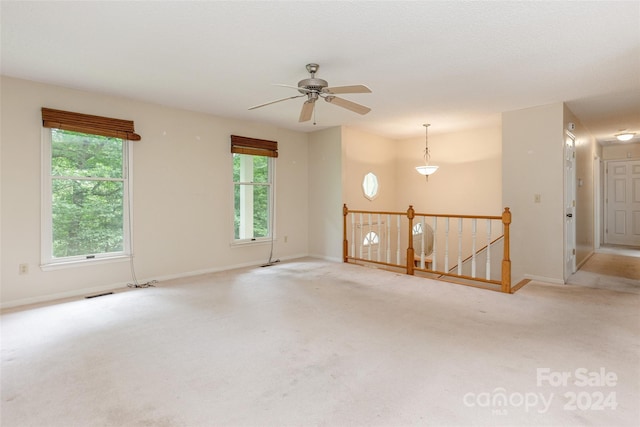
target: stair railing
377 237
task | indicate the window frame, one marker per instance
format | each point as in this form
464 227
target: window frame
271 210
370 186
48 261
371 239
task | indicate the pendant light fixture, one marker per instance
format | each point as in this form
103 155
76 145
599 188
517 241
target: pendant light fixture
427 169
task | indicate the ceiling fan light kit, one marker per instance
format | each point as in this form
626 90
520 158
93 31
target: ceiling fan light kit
314 88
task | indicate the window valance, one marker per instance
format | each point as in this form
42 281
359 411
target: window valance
86 123
253 146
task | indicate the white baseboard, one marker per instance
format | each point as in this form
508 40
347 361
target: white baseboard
326 258
119 286
543 279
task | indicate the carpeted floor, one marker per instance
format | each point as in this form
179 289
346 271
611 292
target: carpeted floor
614 265
324 344
609 271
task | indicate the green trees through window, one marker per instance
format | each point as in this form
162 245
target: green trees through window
87 185
252 195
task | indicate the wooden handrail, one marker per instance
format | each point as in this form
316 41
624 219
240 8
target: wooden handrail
459 216
378 212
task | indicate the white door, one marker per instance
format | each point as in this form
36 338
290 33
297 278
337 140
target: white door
570 206
623 203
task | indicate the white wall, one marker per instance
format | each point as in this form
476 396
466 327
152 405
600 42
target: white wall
469 180
533 163
621 151
183 205
364 153
325 194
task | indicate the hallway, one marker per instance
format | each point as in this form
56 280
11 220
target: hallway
611 267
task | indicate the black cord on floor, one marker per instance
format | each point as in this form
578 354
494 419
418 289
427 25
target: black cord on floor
150 284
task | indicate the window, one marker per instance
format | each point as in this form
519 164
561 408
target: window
370 186
252 197
253 172
417 229
371 239
85 197
422 238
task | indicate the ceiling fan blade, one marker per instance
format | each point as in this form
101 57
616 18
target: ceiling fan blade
356 108
273 102
347 89
307 110
293 87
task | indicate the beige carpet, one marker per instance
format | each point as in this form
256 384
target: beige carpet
614 265
323 344
609 271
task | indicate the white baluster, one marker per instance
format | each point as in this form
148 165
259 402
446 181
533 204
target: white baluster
379 238
459 246
434 255
388 238
474 229
488 275
369 230
353 235
446 245
422 244
360 241
398 250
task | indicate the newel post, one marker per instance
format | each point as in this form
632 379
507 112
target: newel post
410 251
506 261
345 243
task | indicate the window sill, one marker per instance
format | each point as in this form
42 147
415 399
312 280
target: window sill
251 242
83 262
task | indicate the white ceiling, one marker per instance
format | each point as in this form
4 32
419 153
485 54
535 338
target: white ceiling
456 65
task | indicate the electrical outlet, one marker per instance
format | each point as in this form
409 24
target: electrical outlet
537 198
23 268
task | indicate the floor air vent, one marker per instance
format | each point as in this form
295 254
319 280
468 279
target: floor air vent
98 295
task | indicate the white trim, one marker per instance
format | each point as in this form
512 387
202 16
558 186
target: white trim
45 206
325 258
569 230
597 200
251 242
542 279
105 259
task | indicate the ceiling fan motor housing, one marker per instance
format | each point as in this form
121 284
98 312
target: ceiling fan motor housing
312 84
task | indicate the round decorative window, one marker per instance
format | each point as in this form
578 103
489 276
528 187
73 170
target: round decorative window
370 186
371 239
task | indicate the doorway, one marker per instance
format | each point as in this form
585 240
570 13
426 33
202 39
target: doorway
570 205
622 203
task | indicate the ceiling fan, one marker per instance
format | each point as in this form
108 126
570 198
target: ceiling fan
314 88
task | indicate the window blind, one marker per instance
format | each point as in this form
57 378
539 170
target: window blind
253 146
86 123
